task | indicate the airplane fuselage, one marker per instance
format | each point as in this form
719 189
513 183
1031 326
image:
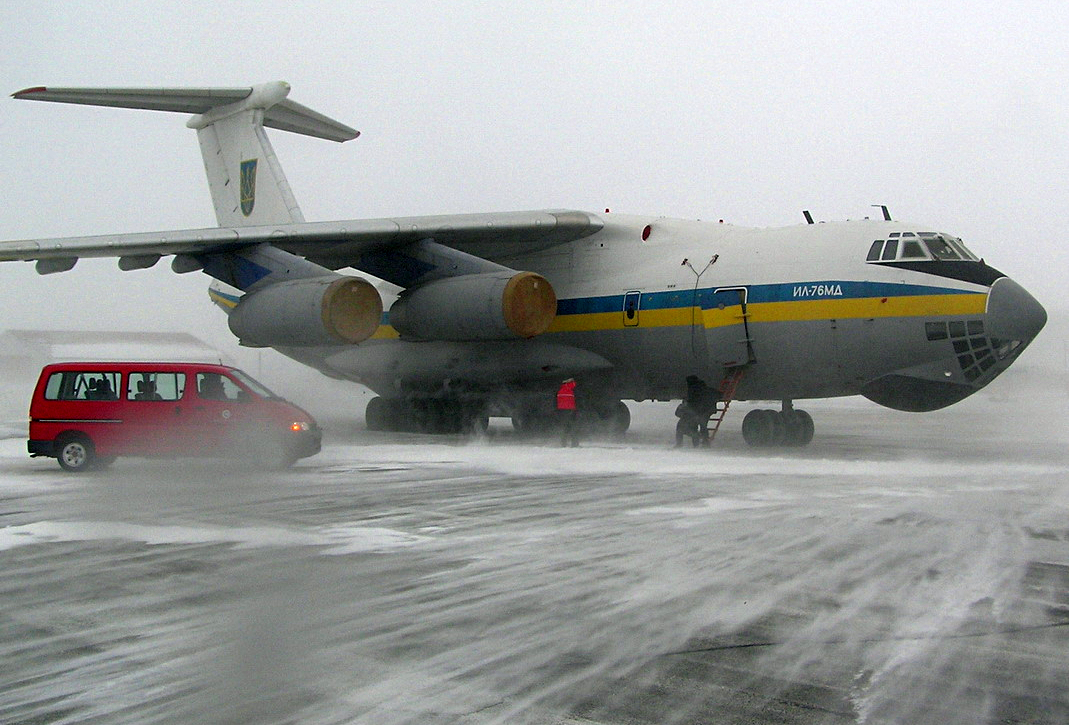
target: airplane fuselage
644 302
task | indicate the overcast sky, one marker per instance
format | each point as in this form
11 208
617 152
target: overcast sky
953 114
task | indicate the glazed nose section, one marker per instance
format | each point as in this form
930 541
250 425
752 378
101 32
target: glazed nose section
1012 313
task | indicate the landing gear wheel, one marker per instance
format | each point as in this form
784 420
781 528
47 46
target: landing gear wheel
532 420
616 419
477 425
763 428
475 420
75 453
377 415
798 427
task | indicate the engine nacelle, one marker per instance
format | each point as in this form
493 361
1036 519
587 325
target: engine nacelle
493 306
333 310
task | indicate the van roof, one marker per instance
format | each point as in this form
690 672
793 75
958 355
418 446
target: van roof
139 365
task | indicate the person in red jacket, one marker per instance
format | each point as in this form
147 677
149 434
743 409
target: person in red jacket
568 412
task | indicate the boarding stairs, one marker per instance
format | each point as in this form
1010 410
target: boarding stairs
727 394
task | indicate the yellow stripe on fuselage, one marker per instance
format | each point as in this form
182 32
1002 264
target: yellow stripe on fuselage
825 309
865 307
793 311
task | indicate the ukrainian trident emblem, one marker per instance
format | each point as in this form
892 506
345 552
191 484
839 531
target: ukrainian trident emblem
248 186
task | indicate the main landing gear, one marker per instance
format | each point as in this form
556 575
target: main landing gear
787 427
535 417
426 415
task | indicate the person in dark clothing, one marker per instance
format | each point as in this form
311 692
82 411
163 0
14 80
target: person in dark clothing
568 412
687 425
694 412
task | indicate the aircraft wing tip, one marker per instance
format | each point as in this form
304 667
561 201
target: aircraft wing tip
28 91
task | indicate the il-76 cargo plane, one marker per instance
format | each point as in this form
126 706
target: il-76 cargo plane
496 309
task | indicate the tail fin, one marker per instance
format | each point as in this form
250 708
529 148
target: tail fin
247 184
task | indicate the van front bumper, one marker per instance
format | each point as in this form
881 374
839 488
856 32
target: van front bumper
302 444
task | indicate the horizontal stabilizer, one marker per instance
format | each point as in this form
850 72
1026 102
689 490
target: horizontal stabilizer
279 112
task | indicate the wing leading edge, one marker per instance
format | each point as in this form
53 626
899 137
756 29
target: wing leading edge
334 245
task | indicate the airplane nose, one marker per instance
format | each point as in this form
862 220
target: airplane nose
1012 313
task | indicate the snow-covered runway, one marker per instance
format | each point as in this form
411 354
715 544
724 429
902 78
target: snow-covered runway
903 568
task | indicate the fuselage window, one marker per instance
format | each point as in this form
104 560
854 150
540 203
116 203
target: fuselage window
874 251
912 250
890 250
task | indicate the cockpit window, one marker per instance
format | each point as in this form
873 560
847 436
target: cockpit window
912 250
965 253
940 248
874 251
919 246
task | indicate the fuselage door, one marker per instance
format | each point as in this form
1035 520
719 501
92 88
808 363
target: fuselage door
727 327
632 301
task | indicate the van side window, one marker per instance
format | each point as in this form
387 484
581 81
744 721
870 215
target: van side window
214 386
156 386
74 385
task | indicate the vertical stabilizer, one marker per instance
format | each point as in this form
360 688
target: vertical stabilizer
246 181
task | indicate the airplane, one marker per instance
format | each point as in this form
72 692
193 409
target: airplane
493 310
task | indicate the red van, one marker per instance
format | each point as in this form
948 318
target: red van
87 414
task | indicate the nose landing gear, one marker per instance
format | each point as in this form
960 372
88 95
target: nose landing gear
787 427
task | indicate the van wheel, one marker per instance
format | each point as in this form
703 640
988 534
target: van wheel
75 453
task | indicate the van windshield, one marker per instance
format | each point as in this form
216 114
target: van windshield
252 384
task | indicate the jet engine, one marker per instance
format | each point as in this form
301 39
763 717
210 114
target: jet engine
330 310
493 306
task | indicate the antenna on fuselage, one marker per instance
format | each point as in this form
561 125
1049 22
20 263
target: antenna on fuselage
808 216
886 214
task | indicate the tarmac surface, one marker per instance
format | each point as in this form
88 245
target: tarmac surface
902 568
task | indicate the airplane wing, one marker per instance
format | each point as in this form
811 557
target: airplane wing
333 245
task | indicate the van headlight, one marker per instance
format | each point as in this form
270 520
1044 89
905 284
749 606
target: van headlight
300 425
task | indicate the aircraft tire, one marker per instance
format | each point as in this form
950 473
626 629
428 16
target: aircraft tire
753 429
477 423
777 428
613 418
798 427
377 414
75 453
763 428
